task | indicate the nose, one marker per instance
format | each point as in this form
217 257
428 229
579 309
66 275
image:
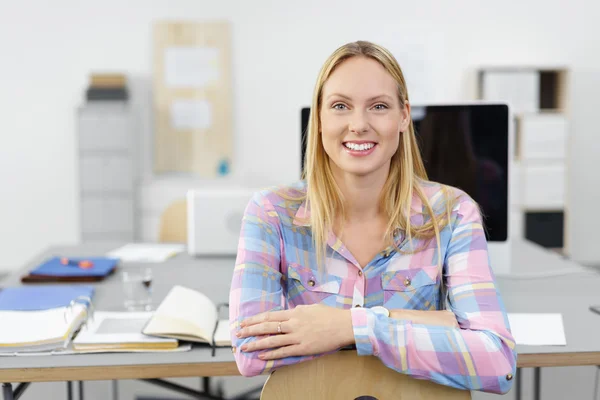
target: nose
358 123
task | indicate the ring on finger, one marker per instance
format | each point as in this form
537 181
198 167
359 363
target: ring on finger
279 328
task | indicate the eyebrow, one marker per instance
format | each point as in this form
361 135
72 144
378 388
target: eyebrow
381 96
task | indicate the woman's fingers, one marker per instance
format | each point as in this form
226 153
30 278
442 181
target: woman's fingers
270 342
265 328
269 316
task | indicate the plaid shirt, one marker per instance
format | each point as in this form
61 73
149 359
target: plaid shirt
276 269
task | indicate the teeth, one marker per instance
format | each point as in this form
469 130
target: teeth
359 147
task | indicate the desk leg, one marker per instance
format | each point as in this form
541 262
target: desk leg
537 387
7 392
80 384
69 390
518 388
115 390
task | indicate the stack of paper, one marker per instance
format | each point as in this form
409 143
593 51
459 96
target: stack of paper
538 329
146 252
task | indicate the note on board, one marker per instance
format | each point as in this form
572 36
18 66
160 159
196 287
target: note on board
191 114
191 67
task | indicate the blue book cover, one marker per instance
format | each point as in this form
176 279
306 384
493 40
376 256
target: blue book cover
34 298
101 267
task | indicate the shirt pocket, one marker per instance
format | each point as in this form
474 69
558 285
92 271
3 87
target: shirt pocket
413 288
306 286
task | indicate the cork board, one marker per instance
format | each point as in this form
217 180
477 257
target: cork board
192 98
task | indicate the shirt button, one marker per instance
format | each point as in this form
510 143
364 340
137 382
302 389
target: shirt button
509 377
406 281
360 273
311 283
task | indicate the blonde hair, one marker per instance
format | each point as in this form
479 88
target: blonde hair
324 198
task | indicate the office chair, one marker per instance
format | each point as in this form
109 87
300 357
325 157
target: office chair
345 375
173 223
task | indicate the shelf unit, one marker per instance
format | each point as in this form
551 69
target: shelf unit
537 96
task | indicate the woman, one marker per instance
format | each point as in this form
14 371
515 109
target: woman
354 254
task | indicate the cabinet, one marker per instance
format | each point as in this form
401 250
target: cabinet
105 133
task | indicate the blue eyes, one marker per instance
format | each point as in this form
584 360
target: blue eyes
378 107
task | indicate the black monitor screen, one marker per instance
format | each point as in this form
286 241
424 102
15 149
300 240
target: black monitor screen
465 146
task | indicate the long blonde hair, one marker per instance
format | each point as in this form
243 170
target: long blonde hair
324 198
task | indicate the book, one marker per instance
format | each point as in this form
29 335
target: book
53 270
120 331
110 80
189 315
34 298
43 330
94 93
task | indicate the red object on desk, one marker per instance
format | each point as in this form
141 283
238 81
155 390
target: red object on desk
83 264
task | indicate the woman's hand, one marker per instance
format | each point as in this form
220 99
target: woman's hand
436 318
304 330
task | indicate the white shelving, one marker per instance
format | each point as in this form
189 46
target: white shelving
537 98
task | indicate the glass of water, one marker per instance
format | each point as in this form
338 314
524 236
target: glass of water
137 288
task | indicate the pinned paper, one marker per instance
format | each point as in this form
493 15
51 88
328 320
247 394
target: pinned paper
191 114
191 67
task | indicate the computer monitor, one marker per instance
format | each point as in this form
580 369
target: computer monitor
467 146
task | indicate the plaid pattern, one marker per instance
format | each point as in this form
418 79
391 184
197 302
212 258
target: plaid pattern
276 269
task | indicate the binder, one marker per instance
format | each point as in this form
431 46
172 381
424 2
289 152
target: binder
36 298
53 270
42 330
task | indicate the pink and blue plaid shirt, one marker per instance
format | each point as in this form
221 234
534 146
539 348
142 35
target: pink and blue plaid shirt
276 269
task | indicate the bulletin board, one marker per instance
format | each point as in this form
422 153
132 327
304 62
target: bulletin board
192 98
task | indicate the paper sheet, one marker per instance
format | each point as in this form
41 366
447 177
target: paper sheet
146 252
191 114
538 329
191 67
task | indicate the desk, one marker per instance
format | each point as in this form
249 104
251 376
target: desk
570 295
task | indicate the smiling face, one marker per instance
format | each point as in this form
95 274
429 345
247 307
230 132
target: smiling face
361 118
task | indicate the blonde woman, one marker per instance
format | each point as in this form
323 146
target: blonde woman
365 251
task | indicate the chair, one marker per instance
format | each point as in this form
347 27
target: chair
345 375
173 223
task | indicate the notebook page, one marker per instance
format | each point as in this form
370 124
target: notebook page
33 327
118 328
189 305
222 335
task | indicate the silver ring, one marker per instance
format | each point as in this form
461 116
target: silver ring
279 328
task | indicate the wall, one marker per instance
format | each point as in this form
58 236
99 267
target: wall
50 47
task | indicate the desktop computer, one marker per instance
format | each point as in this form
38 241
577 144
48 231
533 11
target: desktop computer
467 146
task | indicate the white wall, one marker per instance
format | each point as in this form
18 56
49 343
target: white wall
48 49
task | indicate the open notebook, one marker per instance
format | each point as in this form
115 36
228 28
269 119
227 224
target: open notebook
189 315
45 330
120 331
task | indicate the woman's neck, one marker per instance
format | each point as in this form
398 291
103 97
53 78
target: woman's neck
362 196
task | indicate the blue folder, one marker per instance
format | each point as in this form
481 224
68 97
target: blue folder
33 298
53 267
